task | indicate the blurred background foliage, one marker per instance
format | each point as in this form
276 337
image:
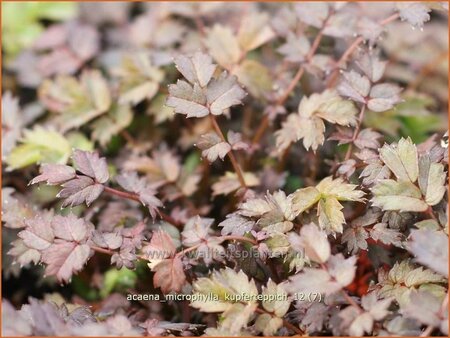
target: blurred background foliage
23 22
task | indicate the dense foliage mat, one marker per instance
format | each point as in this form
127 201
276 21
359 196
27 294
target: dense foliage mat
225 168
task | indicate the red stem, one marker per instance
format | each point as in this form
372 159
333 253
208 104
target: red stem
285 322
356 132
265 121
135 197
230 154
352 48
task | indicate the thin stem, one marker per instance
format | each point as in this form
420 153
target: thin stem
343 59
230 154
111 252
127 136
292 85
389 19
430 213
187 250
200 26
351 301
123 194
286 324
265 121
102 250
135 197
356 132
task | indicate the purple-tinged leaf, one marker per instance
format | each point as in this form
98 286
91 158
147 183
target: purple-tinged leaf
371 65
296 48
355 238
416 13
109 240
213 147
236 224
380 232
186 99
355 86
80 190
14 323
315 243
63 259
23 254
38 234
90 164
425 308
169 275
45 318
312 13
310 281
430 248
133 183
383 97
54 174
196 231
197 68
342 270
235 140
161 246
223 93
70 228
368 138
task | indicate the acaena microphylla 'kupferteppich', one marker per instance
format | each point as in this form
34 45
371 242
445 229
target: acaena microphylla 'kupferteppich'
225 169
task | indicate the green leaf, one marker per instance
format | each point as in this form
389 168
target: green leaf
118 280
268 324
237 316
76 101
400 196
20 21
223 45
83 289
275 299
159 110
404 278
330 215
432 179
304 199
254 31
255 77
220 288
138 78
308 123
401 159
78 140
39 146
339 189
118 118
278 244
328 193
420 127
53 10
191 162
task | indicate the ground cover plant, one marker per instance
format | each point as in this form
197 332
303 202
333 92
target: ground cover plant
225 169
